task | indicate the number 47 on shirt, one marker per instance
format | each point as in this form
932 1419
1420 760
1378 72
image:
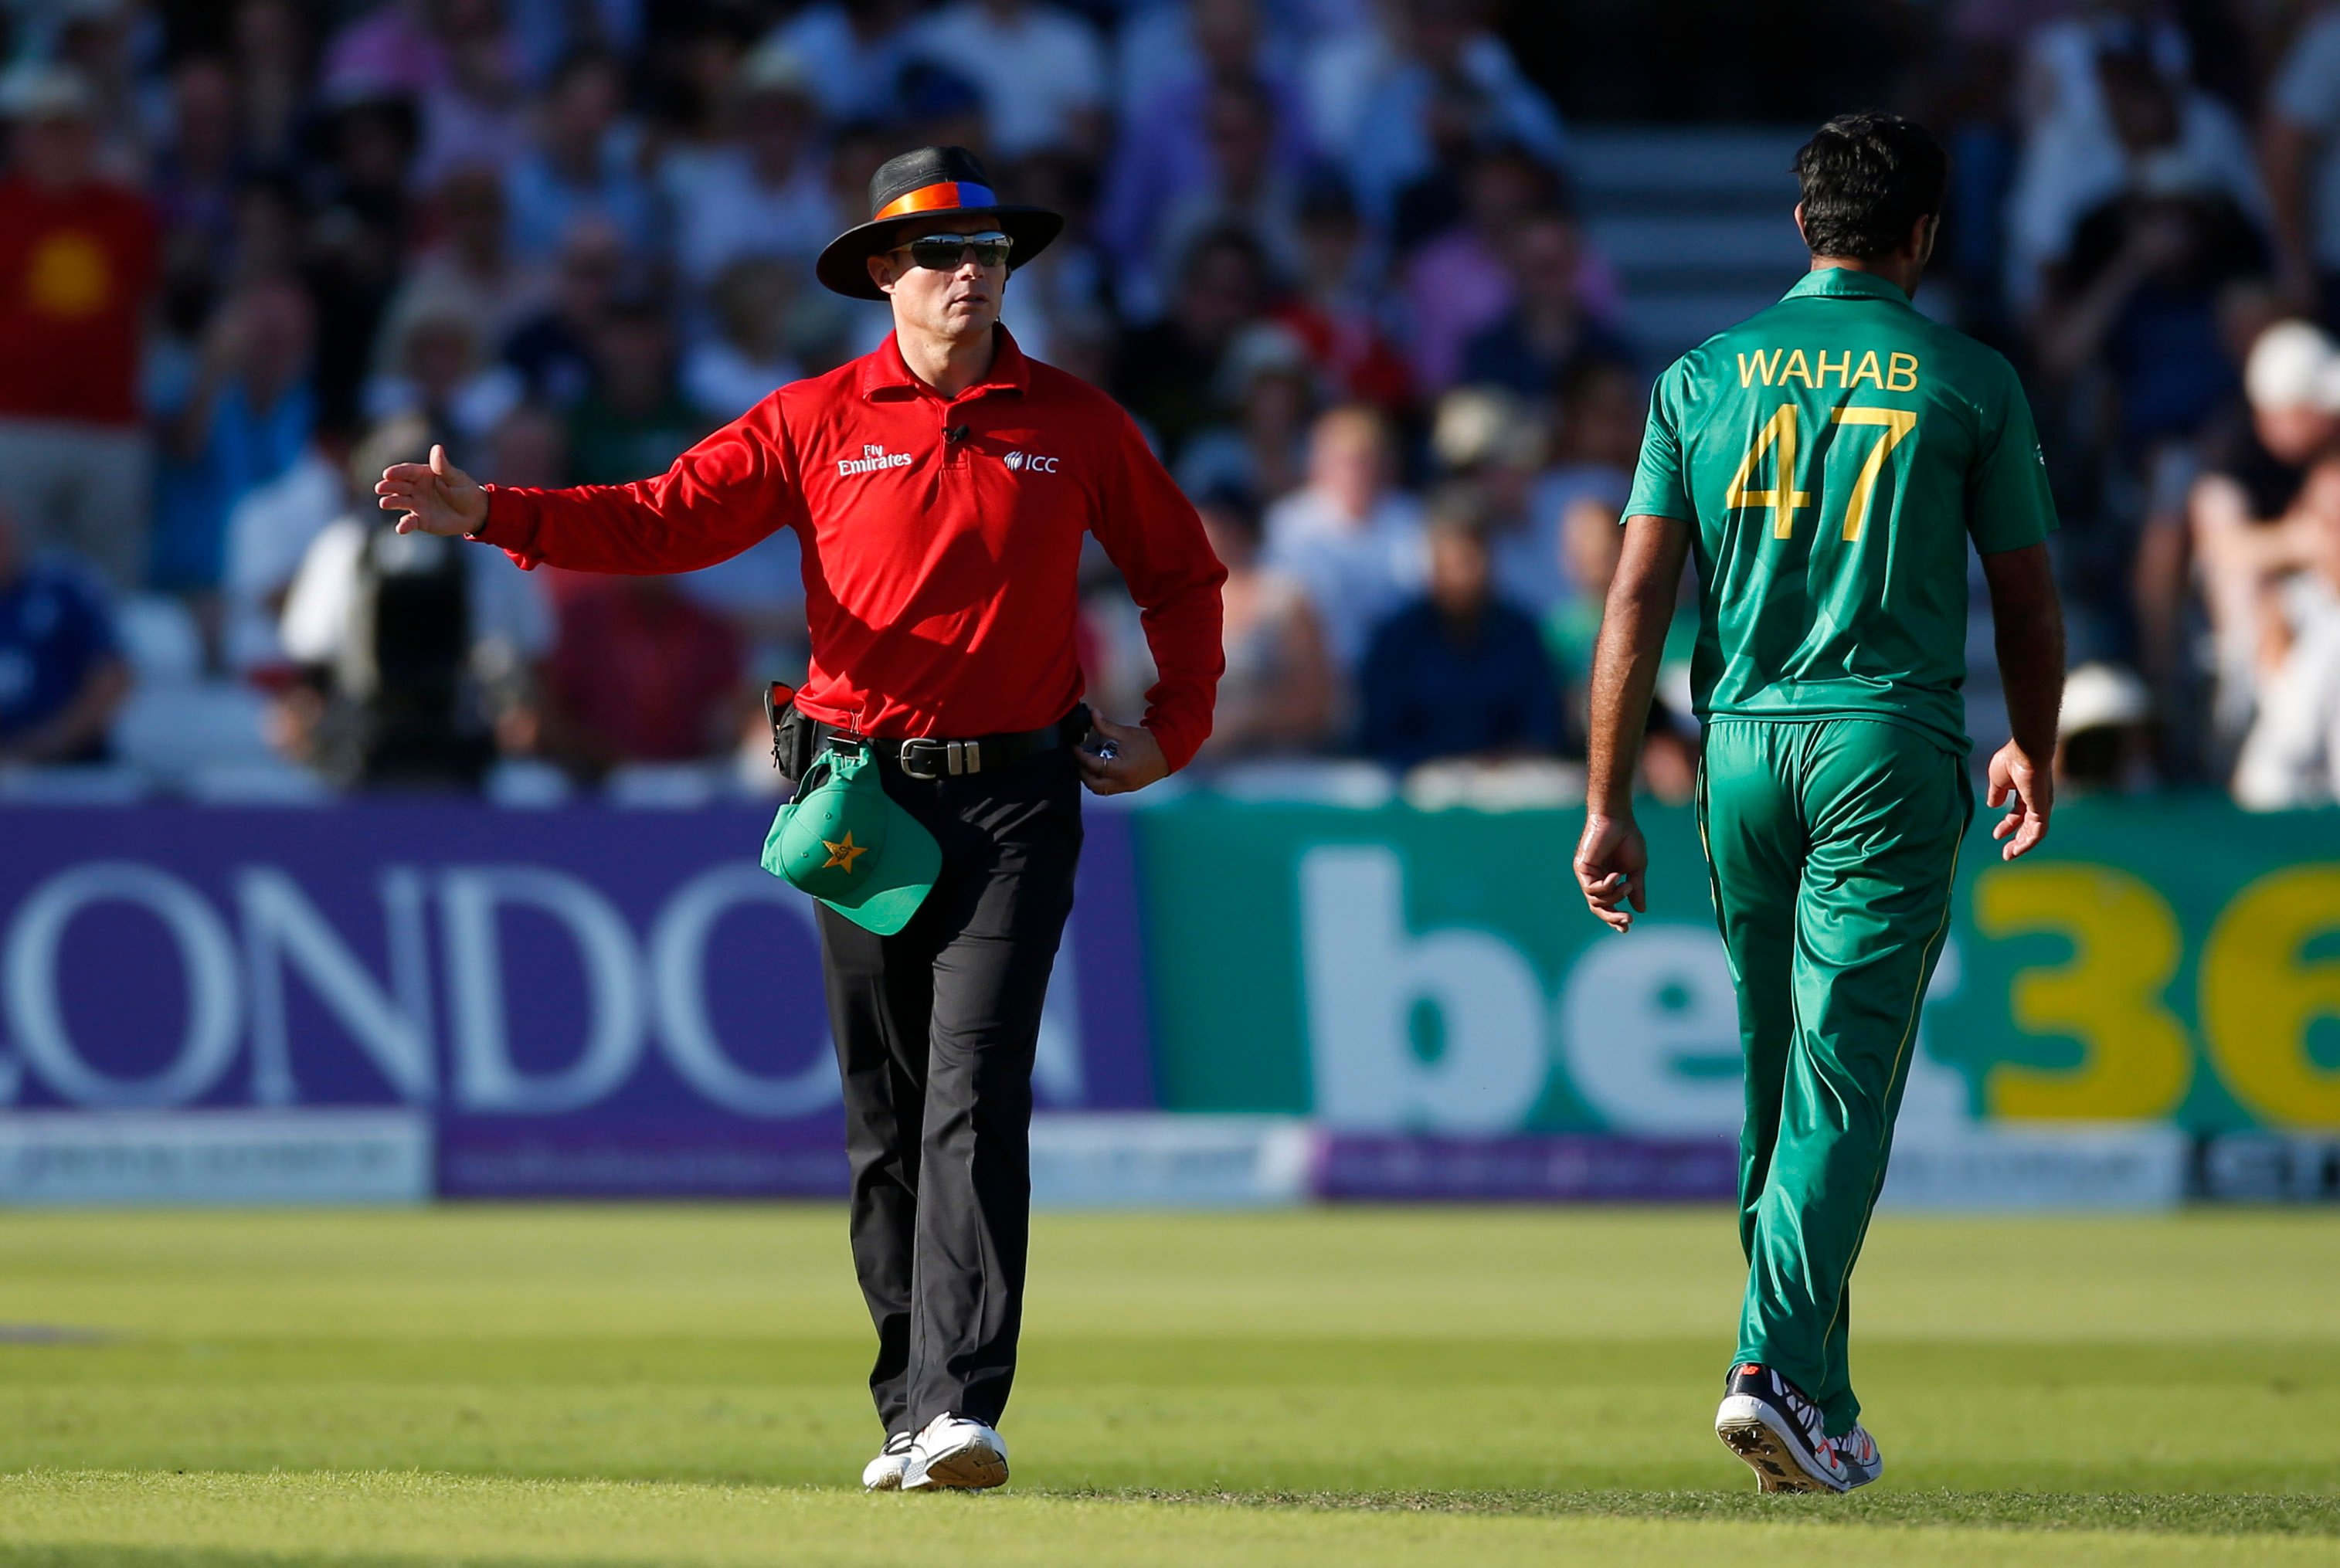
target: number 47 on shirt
1782 430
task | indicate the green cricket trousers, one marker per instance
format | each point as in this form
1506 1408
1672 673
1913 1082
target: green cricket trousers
1832 844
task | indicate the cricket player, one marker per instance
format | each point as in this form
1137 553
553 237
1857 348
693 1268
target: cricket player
1826 462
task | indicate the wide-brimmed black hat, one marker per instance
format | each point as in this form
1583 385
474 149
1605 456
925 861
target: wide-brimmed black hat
927 182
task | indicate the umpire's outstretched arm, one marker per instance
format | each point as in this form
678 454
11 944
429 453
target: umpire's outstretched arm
723 495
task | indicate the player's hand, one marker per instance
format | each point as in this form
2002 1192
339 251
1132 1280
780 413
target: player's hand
437 497
1137 762
2031 790
1611 860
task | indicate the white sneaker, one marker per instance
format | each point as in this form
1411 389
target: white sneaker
1767 1421
1857 1452
884 1473
956 1453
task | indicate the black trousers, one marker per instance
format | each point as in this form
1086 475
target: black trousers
935 1028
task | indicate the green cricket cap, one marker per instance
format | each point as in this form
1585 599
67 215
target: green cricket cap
847 842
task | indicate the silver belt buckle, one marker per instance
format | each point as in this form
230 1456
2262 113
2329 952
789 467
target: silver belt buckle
931 751
955 758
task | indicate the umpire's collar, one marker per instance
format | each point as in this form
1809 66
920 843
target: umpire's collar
886 374
1844 283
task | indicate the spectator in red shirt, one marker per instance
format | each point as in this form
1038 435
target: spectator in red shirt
1337 310
639 674
941 489
77 268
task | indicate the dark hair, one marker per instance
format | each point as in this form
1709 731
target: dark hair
636 301
1233 503
583 60
1458 508
1221 240
1865 180
1325 198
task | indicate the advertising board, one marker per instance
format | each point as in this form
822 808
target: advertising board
1390 971
583 1002
1372 1003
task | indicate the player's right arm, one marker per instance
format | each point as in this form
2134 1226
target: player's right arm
1610 856
721 497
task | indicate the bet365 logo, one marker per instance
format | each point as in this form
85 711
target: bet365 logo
1029 462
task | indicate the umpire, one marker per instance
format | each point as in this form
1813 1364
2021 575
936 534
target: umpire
940 487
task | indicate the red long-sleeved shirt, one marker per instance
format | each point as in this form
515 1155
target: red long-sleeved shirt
75 270
941 542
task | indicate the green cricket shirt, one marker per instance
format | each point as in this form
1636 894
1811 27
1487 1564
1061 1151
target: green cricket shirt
1834 454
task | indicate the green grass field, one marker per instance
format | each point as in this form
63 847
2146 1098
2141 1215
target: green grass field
640 1385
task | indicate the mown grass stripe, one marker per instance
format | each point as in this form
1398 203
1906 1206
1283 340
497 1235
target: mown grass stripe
2193 1513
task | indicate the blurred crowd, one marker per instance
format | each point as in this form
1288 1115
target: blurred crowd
1325 250
2145 217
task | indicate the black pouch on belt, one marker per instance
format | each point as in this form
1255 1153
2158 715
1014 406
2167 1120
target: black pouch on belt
792 732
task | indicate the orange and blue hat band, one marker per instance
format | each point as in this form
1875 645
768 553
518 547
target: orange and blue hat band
937 198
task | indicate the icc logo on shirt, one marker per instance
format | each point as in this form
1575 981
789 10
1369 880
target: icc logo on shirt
1029 462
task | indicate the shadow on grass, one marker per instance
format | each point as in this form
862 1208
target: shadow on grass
2181 1512
83 1554
2261 1516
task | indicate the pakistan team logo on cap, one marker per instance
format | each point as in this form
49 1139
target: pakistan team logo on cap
849 844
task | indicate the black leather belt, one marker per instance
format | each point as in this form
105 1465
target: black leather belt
928 758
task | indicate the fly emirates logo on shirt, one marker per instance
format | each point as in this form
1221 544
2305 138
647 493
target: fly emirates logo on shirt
873 458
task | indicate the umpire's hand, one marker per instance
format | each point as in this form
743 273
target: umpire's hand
437 497
1137 760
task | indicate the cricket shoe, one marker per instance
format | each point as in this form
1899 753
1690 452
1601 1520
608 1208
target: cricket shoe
957 1454
1855 1449
1857 1452
1767 1421
884 1473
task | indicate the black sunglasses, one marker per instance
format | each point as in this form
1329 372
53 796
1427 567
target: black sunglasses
943 252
